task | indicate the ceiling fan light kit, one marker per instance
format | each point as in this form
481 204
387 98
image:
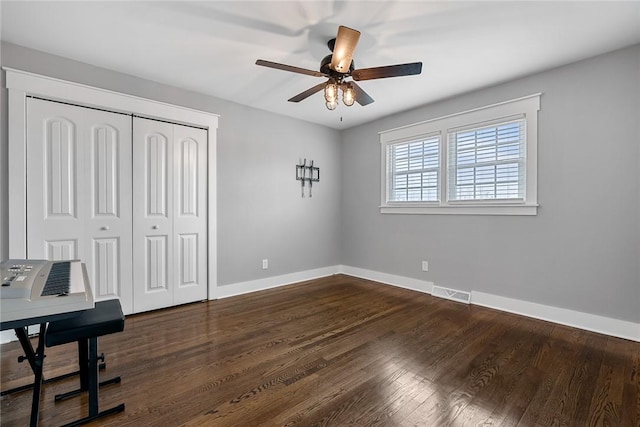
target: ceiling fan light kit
348 94
339 66
331 93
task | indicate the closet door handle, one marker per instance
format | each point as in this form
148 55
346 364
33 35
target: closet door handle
105 228
154 227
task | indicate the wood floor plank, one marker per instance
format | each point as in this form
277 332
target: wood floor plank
495 405
575 389
342 351
606 404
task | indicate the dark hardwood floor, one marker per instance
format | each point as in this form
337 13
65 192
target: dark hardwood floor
345 351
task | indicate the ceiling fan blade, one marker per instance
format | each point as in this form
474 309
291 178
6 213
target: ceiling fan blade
345 45
307 93
387 71
291 68
362 97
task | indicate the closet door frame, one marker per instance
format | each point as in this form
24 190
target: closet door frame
22 84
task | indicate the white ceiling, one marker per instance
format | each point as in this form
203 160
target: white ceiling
211 46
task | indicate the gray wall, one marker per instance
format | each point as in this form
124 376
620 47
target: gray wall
582 250
260 211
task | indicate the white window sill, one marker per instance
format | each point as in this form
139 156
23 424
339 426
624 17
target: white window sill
489 209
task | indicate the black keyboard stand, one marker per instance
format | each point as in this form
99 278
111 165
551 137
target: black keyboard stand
34 356
30 356
36 361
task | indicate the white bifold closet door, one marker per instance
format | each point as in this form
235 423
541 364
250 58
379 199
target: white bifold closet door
79 192
125 195
169 214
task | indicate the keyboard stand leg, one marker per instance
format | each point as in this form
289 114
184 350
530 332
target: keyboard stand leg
29 355
92 382
37 384
78 391
84 366
83 363
92 376
36 362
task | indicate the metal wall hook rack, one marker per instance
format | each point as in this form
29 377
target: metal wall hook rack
307 173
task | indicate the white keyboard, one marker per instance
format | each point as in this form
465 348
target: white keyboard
32 288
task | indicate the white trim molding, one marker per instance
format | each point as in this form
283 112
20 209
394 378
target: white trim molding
240 288
389 279
249 286
576 319
21 84
493 209
9 335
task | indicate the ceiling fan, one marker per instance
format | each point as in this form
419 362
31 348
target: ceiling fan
338 66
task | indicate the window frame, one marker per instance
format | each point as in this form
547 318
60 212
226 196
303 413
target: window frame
526 107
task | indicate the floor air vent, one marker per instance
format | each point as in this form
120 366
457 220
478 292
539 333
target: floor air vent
452 294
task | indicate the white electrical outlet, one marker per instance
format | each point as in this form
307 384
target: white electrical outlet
265 264
425 266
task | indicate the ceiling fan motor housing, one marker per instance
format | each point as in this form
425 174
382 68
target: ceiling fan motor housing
325 67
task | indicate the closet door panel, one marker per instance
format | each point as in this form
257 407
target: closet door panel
59 250
55 195
152 207
105 148
106 266
156 156
60 172
156 256
78 192
190 214
109 221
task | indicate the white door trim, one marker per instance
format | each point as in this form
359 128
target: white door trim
21 84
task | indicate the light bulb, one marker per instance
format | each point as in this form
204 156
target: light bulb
331 92
331 105
348 95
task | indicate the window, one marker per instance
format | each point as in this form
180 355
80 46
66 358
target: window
414 170
482 161
488 162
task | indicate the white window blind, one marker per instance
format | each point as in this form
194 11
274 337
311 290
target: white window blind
414 170
487 162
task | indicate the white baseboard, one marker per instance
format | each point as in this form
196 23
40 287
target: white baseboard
9 335
272 282
590 322
389 279
288 279
576 319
